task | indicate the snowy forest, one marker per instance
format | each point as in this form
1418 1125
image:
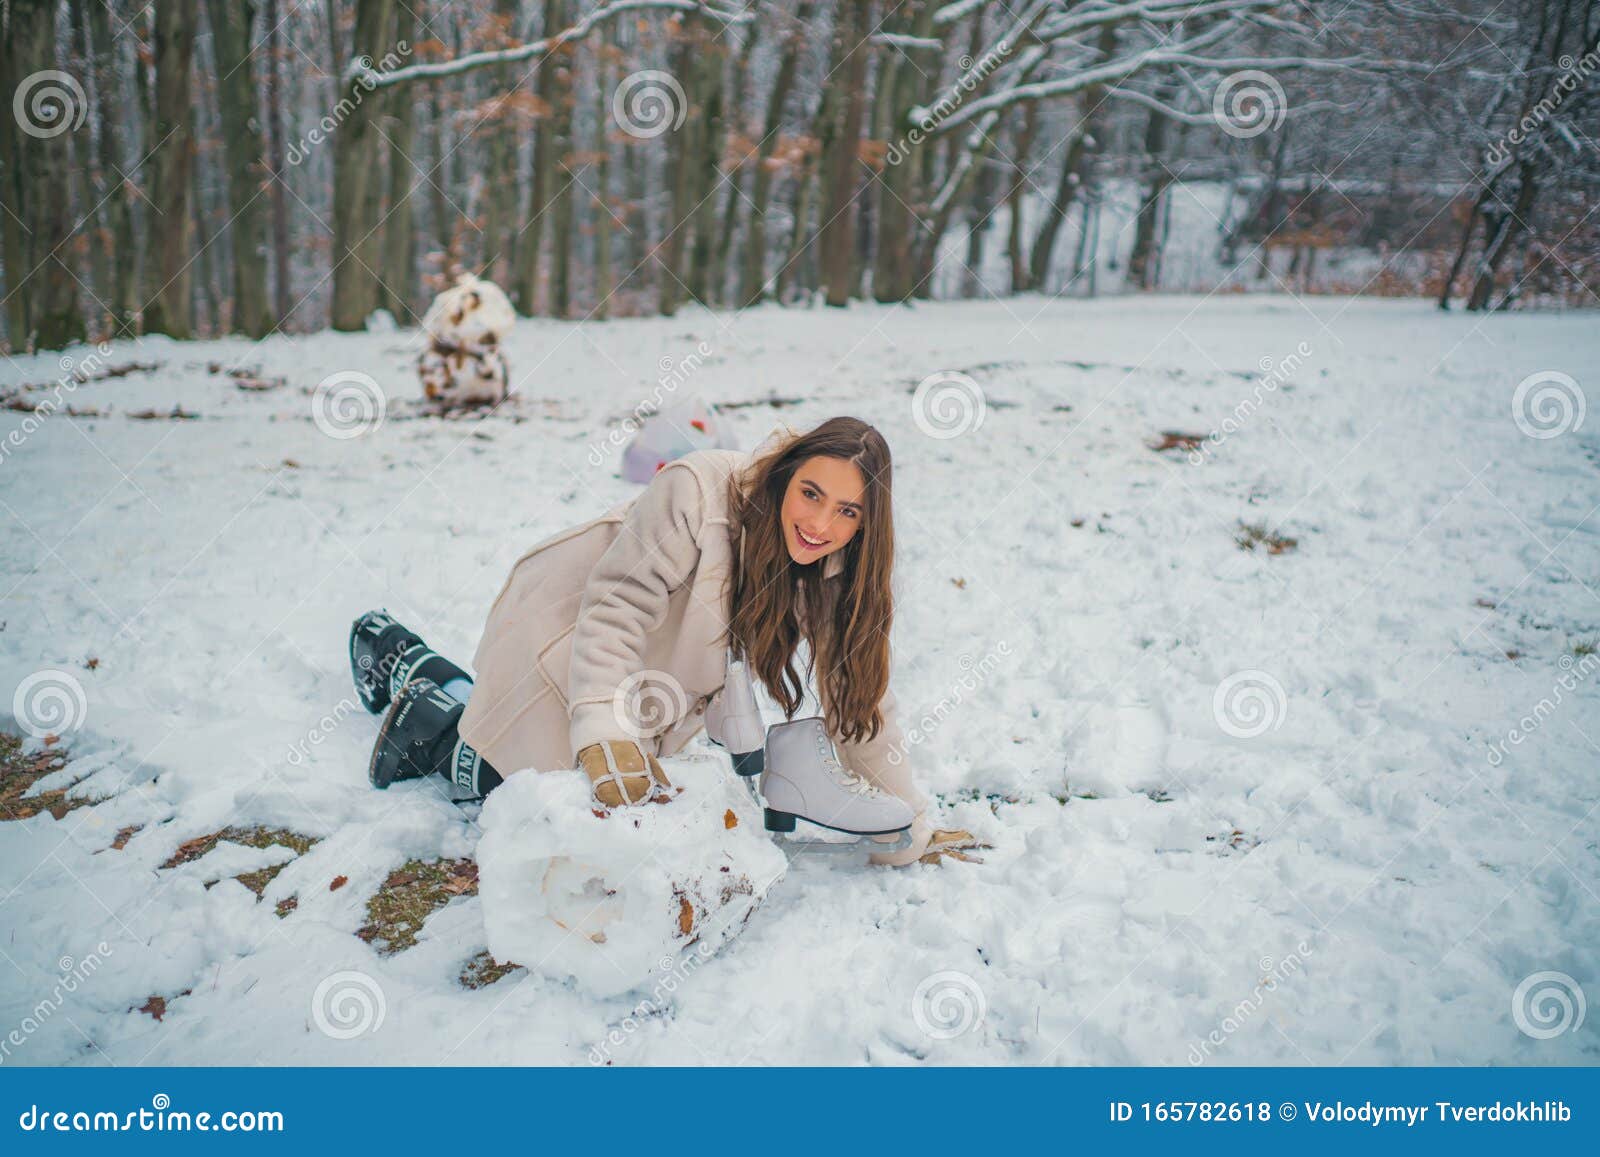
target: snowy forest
201 167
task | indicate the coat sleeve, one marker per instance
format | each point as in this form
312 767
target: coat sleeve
625 598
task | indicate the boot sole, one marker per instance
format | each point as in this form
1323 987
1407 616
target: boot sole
377 752
389 720
779 821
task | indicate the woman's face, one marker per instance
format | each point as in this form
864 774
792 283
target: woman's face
822 508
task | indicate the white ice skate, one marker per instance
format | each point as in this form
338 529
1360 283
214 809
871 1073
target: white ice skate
806 780
733 721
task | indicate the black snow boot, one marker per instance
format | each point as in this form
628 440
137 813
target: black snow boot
418 737
418 734
385 656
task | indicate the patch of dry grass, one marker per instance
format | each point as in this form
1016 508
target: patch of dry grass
483 970
412 893
1255 534
19 771
252 837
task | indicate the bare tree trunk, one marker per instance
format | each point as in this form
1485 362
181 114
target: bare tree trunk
232 41
1143 262
1474 216
439 211
602 182
168 223
144 94
91 184
682 167
16 63
355 161
708 168
753 282
743 101
562 62
282 301
207 285
892 270
635 184
541 177
1016 253
501 209
122 245
789 272
42 166
396 288
1074 161
1500 244
841 162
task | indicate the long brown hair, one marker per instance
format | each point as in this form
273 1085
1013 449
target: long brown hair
845 620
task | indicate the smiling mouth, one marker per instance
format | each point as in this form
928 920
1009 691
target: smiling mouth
808 543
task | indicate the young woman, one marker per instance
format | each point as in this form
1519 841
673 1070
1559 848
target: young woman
610 641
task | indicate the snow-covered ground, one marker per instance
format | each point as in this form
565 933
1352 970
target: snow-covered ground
1246 807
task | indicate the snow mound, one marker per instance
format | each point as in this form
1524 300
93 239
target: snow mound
606 899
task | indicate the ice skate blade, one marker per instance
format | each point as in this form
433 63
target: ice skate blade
832 847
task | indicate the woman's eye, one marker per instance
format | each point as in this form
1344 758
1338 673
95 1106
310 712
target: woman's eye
849 512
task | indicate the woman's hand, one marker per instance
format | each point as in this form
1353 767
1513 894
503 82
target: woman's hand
620 771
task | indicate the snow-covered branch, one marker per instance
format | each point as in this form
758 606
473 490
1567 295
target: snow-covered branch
1144 11
956 92
956 178
950 13
1108 73
370 78
902 40
1210 117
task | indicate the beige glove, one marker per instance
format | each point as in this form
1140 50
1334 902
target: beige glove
621 771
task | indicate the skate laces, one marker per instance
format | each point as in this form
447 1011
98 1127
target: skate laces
844 776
